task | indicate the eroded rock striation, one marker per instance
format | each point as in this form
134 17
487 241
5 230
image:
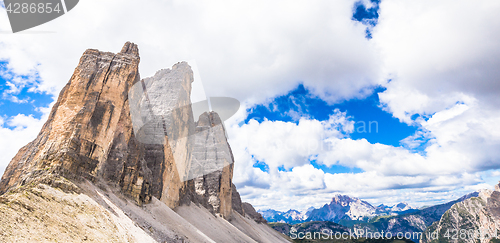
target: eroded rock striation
111 127
75 141
123 159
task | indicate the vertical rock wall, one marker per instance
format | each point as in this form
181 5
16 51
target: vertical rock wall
138 135
76 137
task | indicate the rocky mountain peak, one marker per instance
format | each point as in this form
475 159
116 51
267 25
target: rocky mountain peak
343 200
343 207
401 205
76 137
130 48
123 159
497 187
140 136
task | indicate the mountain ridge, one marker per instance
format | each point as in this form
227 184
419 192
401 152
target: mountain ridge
341 206
128 153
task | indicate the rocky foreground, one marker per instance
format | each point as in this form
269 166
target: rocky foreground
122 159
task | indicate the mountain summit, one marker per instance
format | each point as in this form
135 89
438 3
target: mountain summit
122 159
343 207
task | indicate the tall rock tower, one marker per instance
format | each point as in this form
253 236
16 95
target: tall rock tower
109 126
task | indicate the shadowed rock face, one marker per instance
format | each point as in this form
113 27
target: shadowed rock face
250 211
236 201
92 133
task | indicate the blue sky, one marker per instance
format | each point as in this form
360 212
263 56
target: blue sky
24 99
301 71
371 122
19 94
367 15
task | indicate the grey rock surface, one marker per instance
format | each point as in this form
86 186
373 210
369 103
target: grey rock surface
475 219
250 211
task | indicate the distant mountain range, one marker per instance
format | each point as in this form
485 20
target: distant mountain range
397 209
352 213
291 216
341 207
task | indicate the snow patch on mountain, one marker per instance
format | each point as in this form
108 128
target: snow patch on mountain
341 207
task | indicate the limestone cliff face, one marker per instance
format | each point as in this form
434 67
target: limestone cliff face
75 139
211 152
473 220
236 201
109 126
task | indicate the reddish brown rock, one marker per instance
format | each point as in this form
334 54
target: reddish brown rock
76 138
236 201
90 134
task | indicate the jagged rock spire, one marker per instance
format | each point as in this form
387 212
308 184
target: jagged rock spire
90 135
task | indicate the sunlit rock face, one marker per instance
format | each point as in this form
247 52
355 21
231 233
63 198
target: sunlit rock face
76 138
109 126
